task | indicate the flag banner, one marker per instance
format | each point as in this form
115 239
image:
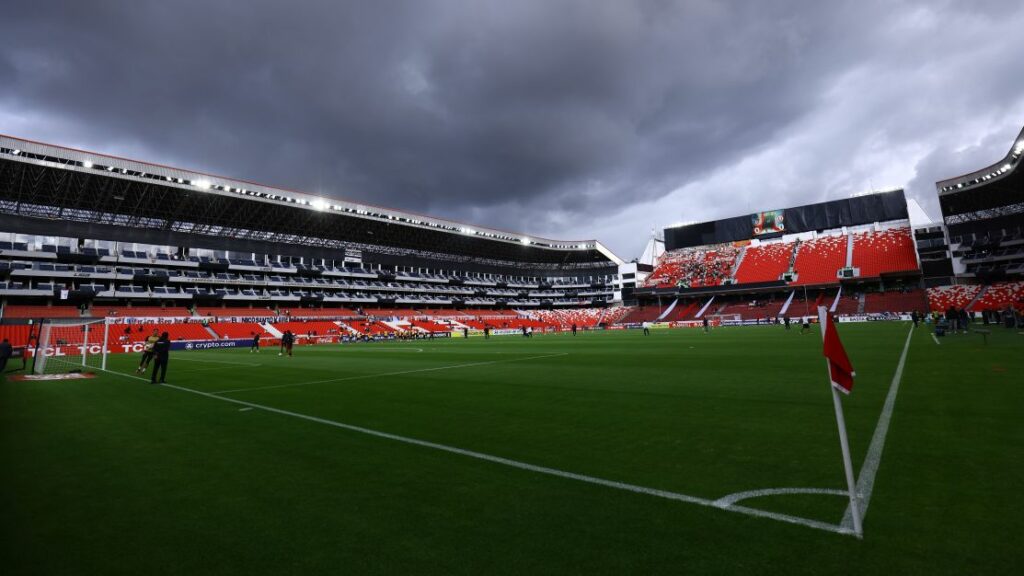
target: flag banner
839 366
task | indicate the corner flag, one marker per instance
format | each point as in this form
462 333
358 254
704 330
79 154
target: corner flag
840 373
839 367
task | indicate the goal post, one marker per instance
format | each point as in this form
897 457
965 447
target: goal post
71 346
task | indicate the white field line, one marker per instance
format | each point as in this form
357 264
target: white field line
668 495
399 373
936 339
726 501
866 478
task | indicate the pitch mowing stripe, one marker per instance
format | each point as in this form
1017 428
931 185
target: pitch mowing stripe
866 478
668 495
367 376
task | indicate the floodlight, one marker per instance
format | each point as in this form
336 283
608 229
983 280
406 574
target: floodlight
87 164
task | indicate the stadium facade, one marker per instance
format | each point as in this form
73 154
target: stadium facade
88 234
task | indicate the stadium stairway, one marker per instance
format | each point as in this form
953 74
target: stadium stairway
977 298
668 310
270 329
705 308
785 307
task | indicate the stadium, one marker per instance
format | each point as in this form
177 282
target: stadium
460 390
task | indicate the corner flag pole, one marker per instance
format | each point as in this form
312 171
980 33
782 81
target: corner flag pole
844 443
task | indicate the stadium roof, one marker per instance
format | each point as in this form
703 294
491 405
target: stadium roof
988 175
47 181
994 192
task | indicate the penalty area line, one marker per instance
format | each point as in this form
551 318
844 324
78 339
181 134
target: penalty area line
725 504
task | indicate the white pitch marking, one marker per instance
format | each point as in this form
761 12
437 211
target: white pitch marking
866 478
246 409
816 524
178 357
399 373
936 339
727 501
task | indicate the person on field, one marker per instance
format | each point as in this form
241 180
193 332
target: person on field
647 328
786 322
6 351
147 350
161 354
255 343
573 328
806 326
287 342
707 325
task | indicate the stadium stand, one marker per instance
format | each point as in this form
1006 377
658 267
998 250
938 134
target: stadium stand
695 267
896 301
237 329
941 298
303 328
103 310
765 263
888 251
999 296
818 260
30 311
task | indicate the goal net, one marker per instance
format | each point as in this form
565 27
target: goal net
64 347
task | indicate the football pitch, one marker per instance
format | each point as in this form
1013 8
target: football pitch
604 453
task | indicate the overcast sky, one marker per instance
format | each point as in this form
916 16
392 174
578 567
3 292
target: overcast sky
564 119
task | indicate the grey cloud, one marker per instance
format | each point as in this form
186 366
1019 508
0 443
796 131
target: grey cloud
544 117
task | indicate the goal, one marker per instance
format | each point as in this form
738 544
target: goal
65 346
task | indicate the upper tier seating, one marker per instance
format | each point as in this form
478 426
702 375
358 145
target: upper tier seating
29 311
884 252
694 267
942 297
765 263
818 260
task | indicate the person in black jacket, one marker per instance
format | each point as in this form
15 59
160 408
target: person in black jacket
161 353
6 351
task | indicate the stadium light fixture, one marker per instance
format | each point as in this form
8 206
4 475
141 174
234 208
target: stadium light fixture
201 184
525 240
87 164
319 204
1006 167
16 152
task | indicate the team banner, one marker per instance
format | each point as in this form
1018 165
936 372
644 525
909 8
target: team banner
770 222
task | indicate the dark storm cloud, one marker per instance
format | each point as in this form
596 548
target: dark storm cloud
568 119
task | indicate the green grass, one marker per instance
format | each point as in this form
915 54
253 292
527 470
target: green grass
112 475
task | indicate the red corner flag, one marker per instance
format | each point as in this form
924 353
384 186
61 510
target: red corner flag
839 367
